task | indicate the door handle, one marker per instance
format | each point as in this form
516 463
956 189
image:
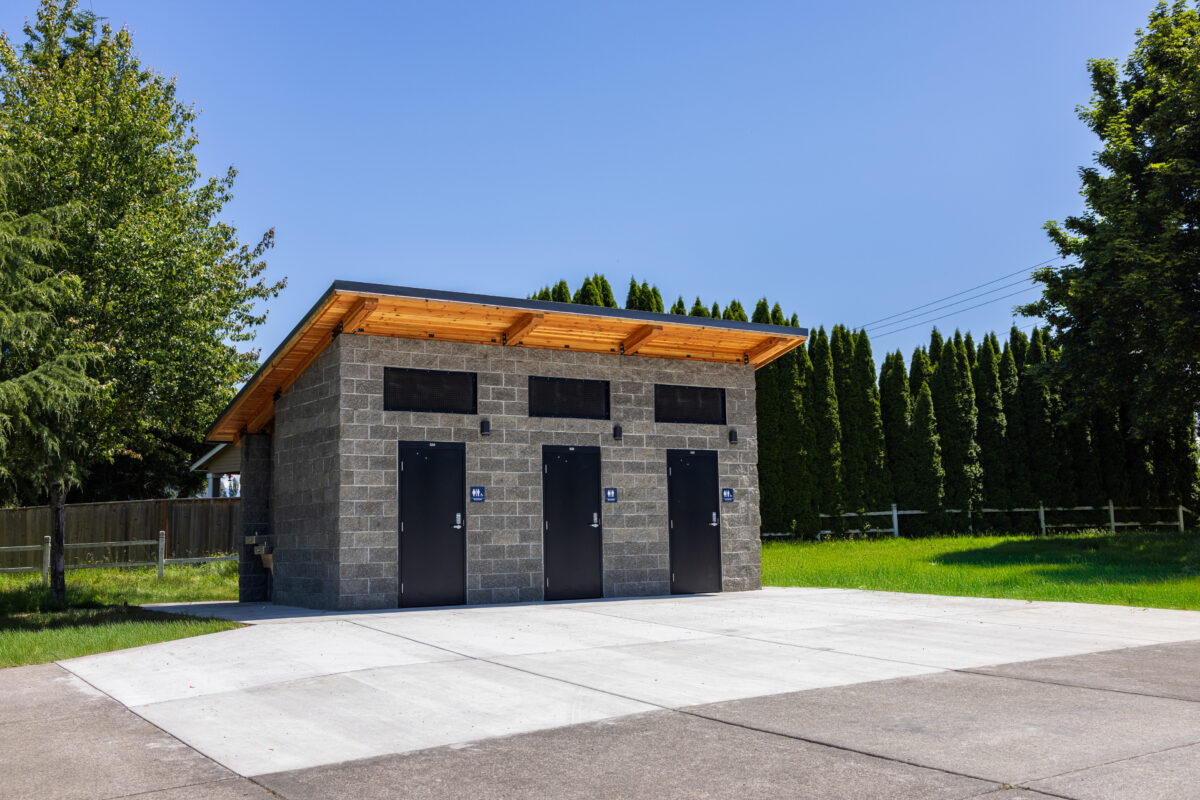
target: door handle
595 520
457 521
714 523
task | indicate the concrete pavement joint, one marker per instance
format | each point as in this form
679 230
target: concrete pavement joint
1025 784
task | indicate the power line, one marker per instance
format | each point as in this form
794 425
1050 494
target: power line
936 309
958 294
952 313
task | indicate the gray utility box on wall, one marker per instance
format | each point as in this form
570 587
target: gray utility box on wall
427 448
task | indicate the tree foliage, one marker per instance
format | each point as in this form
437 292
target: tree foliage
1127 309
167 292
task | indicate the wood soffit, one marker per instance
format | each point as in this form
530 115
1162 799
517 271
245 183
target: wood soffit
489 320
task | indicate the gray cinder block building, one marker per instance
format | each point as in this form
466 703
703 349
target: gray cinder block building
406 447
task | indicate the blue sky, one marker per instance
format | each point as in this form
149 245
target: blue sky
849 161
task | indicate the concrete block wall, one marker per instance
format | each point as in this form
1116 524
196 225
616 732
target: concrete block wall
256 514
504 534
306 487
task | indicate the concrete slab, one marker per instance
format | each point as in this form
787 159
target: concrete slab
999 729
249 613
45 691
690 672
1164 670
1149 624
663 755
1169 775
228 789
751 614
301 688
366 713
949 642
487 632
916 605
89 747
245 658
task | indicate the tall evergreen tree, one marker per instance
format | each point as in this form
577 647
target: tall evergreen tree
826 431
972 353
895 407
801 499
762 313
928 473
876 482
679 307
635 300
714 312
935 352
841 345
653 298
1019 343
561 293
587 294
957 426
605 290
734 311
1039 431
1016 445
43 375
993 427
920 371
698 309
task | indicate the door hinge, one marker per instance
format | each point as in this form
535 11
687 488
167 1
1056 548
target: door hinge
672 577
402 587
547 583
546 524
402 466
402 526
668 472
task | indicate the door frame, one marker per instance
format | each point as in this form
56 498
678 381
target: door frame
400 447
599 488
685 451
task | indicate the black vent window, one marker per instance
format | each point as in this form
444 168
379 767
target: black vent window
698 404
565 397
428 390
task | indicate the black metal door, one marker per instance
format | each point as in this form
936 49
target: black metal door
693 508
571 522
433 542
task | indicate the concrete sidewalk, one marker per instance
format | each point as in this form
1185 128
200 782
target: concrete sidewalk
822 693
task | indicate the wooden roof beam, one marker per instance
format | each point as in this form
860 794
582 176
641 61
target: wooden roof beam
358 314
521 328
639 337
766 350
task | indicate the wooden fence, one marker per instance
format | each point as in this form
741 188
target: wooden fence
195 528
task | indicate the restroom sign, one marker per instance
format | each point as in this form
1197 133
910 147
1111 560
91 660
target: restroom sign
610 495
727 495
476 494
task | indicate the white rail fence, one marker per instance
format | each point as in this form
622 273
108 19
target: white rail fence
1179 522
160 562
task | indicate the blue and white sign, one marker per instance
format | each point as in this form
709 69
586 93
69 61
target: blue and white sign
727 495
610 495
476 494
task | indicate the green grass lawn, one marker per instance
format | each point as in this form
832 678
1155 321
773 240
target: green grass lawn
1137 568
101 612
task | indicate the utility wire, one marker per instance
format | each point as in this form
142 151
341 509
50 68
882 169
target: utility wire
952 313
936 309
958 294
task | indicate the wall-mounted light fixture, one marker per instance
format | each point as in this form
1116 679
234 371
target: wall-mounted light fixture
485 427
732 436
617 432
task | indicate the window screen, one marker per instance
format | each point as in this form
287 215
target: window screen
565 397
689 404
428 390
